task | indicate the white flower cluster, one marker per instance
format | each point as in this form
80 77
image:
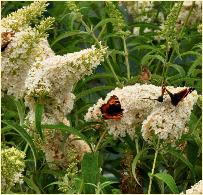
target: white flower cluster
195 189
139 9
12 166
143 11
195 17
161 118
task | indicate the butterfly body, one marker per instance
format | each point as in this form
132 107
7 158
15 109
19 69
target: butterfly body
112 109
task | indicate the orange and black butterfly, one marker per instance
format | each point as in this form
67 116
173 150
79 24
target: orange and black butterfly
177 97
6 38
112 109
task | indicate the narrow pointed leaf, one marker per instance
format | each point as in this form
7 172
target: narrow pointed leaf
168 179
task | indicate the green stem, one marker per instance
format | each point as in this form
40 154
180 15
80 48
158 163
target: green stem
112 70
187 18
126 57
102 31
100 140
97 41
165 69
153 168
137 145
90 32
20 111
81 187
26 147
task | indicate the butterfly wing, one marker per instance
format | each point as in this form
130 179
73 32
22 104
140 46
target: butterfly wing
112 109
177 97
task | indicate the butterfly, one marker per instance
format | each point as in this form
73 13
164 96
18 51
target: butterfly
112 109
177 97
6 38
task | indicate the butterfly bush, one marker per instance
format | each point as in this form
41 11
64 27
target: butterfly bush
12 166
161 118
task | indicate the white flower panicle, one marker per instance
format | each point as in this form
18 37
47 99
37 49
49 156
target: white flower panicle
54 77
57 73
195 189
12 166
19 20
167 121
161 117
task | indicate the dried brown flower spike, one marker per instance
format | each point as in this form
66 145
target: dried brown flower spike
145 75
128 184
6 38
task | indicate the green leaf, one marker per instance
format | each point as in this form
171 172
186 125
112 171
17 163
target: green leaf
105 21
31 184
194 65
135 161
179 68
150 57
6 129
93 90
194 53
53 183
107 183
23 133
179 156
68 34
90 171
168 179
188 79
38 118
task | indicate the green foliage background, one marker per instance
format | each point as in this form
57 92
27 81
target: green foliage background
176 170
